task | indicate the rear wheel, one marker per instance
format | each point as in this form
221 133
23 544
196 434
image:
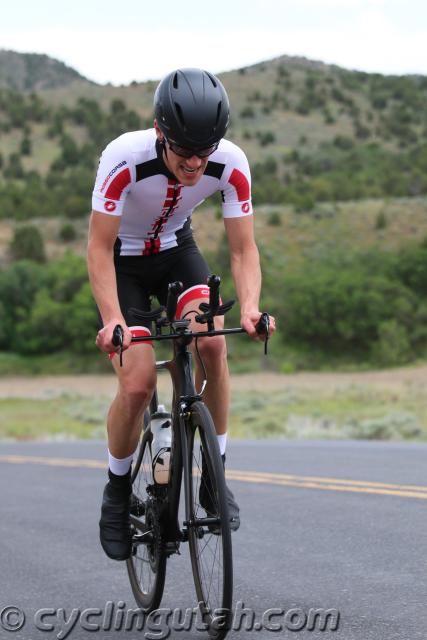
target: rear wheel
209 528
147 563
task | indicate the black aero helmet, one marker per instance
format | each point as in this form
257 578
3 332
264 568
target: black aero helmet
191 108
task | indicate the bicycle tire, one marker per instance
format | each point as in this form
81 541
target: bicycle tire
213 570
147 563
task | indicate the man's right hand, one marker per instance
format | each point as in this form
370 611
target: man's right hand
104 339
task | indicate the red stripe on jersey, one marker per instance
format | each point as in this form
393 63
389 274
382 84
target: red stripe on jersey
151 246
241 184
117 185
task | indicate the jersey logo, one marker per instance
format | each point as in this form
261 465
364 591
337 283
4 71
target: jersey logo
245 207
112 172
110 206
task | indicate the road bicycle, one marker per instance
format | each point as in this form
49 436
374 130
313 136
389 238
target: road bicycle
159 526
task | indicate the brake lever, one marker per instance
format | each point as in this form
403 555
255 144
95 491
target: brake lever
263 327
117 340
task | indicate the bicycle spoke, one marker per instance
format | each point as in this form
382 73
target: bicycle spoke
147 564
210 543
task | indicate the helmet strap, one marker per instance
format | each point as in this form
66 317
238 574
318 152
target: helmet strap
163 143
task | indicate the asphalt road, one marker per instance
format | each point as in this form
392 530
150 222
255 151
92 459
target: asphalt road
336 525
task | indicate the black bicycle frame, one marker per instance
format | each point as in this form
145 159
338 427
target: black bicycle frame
184 393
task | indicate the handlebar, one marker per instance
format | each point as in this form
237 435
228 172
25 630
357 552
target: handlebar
214 308
213 284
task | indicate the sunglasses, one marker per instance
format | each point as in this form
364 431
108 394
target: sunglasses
185 152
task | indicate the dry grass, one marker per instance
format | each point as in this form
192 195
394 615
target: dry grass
373 405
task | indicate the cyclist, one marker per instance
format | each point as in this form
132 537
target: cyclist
140 239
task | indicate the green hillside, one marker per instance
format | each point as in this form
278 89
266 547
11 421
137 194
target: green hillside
313 133
339 165
34 72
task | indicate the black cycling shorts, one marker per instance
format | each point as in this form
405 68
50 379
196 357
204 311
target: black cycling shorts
141 278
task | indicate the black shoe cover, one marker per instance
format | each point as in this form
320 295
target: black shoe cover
114 525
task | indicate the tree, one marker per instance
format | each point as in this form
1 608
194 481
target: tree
27 243
14 169
26 146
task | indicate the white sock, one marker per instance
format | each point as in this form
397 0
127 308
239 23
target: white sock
222 441
119 466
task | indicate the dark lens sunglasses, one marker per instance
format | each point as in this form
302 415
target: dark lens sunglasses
185 152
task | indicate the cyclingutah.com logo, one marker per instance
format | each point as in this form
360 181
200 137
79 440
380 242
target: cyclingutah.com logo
160 624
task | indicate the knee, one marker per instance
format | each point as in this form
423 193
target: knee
213 350
136 393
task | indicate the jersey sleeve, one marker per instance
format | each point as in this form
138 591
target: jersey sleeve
236 187
113 179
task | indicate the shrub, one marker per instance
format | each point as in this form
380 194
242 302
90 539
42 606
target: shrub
19 283
343 142
27 243
348 306
393 346
75 206
26 146
14 169
303 202
247 112
381 221
67 232
43 331
274 219
265 137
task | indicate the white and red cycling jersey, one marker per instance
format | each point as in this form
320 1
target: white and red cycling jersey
133 182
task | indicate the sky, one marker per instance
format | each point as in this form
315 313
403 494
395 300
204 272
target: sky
118 42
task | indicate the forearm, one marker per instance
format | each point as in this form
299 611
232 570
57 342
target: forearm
102 276
246 272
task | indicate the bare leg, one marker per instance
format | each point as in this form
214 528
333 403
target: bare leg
217 392
136 382
214 354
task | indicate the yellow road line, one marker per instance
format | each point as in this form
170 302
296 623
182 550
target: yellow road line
55 462
300 482
278 479
326 480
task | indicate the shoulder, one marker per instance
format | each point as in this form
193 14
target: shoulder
231 157
230 161
228 151
133 142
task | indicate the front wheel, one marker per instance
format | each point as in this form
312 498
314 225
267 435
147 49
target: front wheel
209 527
147 563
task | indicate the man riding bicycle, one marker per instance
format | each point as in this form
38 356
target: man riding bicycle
140 239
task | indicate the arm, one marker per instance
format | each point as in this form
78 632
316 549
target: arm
103 232
246 271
